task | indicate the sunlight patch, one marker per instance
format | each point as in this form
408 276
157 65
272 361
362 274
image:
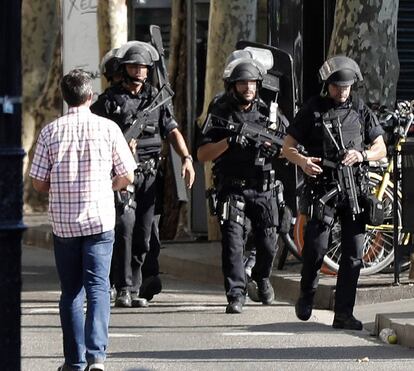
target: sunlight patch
258 333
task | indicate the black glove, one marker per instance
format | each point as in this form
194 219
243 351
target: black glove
270 151
238 141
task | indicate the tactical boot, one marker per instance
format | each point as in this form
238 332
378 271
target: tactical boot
346 322
123 299
265 291
112 293
303 307
235 306
137 302
253 291
150 287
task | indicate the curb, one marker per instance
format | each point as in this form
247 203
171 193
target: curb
401 323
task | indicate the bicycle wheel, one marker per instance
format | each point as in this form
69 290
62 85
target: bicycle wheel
291 246
299 236
378 250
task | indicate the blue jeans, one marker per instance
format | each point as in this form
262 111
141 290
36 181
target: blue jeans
83 265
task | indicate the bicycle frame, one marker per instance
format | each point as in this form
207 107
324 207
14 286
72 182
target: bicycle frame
387 176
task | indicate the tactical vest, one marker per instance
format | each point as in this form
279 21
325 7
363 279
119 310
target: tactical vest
349 118
234 162
124 110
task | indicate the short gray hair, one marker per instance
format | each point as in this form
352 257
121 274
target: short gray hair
76 87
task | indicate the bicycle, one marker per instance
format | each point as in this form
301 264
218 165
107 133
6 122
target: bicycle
378 251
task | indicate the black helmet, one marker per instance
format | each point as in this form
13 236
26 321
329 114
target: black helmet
137 55
243 70
110 64
340 70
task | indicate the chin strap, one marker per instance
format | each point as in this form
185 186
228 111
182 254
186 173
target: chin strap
128 79
239 100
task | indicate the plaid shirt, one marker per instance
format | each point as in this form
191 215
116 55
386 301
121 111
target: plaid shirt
77 154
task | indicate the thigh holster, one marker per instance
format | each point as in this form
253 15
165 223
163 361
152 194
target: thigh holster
125 199
232 209
323 212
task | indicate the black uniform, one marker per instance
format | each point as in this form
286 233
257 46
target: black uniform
245 189
360 128
135 219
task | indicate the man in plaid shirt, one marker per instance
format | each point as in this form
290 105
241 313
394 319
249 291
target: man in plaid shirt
80 159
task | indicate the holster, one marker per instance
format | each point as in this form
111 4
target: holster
211 195
125 199
324 213
285 213
231 209
321 211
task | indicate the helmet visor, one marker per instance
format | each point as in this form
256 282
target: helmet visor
342 78
338 63
140 45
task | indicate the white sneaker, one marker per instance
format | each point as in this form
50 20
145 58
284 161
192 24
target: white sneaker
96 367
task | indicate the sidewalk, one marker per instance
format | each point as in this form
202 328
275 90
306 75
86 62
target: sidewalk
201 261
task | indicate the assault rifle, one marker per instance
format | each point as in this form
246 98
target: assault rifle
140 122
346 177
257 133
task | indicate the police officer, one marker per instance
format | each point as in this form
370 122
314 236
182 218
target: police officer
151 282
122 103
243 178
110 67
339 113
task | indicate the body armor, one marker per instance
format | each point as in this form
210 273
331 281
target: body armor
350 118
244 160
351 126
122 108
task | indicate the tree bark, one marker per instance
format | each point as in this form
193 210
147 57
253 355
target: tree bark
229 21
41 72
112 27
175 219
367 32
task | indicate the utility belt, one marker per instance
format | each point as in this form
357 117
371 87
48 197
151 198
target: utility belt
231 205
266 182
323 205
148 167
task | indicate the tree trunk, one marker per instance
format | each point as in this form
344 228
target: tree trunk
41 72
112 27
175 219
229 21
367 32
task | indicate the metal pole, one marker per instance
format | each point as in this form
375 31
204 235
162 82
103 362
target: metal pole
395 240
191 92
11 184
273 22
